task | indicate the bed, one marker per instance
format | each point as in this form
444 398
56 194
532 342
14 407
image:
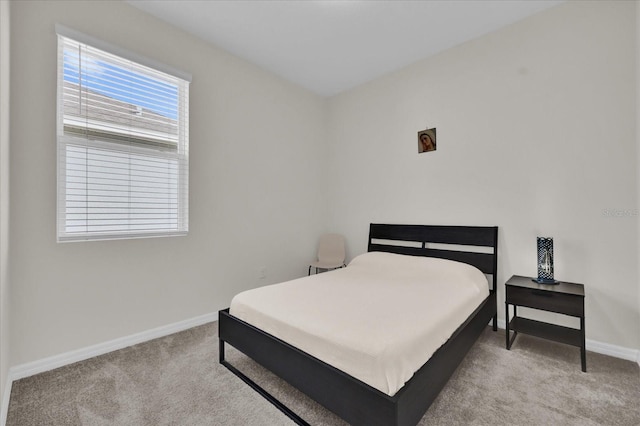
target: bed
359 399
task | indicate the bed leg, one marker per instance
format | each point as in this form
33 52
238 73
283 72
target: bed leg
221 351
495 298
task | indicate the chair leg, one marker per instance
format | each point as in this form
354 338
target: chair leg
309 271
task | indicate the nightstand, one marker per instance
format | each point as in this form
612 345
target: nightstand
563 298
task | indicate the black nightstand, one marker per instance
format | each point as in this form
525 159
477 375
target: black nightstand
563 298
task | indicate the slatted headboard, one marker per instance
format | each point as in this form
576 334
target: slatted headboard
390 238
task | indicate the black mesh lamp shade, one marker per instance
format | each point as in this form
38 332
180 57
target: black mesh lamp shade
545 261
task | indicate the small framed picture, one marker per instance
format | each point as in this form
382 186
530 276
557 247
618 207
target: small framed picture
427 140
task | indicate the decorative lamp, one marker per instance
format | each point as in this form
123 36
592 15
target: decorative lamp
545 261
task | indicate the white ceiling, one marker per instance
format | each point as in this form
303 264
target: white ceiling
332 46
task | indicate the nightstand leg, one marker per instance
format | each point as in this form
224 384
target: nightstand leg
506 320
510 338
583 349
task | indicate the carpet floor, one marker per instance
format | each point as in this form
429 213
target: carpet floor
176 380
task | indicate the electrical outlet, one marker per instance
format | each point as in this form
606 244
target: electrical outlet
262 274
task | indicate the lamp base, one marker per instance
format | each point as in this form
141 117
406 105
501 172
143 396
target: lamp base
545 281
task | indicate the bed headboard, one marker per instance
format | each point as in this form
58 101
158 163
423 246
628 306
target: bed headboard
389 238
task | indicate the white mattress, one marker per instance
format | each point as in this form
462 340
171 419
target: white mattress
379 319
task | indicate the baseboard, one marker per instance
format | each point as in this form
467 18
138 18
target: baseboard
603 348
29 369
56 361
613 350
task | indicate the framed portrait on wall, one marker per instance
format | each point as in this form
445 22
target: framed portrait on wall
427 140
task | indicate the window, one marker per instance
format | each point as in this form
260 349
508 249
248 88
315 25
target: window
123 145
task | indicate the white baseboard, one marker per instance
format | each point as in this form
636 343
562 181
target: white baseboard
29 369
613 350
603 348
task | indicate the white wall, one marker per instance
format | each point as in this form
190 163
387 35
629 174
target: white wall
637 117
4 196
257 159
535 133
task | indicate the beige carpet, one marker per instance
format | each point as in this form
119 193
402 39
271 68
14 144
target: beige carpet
177 380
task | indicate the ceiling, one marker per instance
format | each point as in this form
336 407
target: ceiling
331 46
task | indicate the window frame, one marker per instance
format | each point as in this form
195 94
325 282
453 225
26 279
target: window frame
132 146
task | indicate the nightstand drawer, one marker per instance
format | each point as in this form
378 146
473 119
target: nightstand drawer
567 304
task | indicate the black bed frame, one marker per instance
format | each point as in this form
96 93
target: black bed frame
353 400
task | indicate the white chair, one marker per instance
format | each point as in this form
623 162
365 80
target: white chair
331 253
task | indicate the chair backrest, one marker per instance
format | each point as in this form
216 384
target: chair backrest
331 248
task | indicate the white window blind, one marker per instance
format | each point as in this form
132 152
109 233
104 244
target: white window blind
123 147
